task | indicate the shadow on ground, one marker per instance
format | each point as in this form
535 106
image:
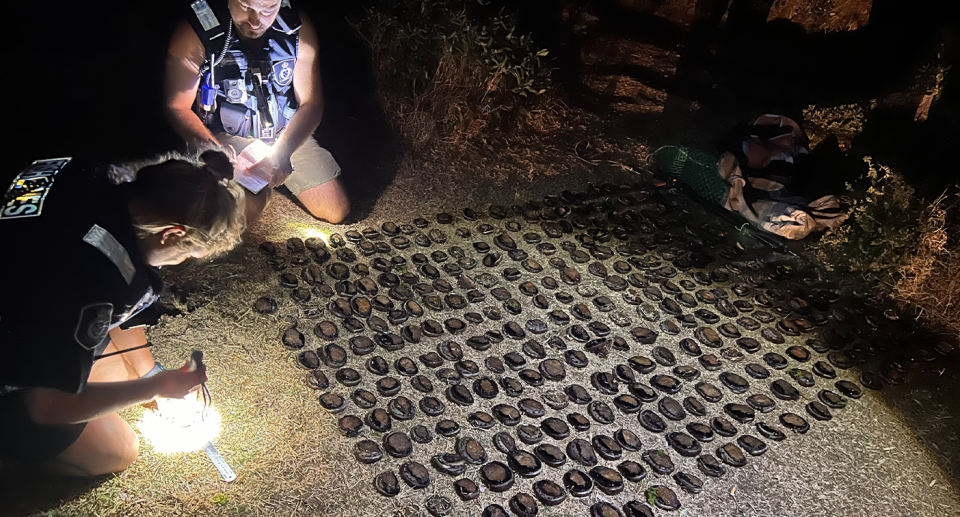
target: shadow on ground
355 128
27 492
929 404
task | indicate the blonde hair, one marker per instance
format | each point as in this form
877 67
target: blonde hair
195 191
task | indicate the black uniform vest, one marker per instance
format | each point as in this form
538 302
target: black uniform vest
234 65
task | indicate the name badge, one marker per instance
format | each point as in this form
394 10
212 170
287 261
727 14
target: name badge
205 15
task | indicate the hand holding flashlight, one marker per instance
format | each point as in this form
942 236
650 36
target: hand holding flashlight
177 384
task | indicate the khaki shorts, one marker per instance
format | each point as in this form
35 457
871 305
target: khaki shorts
312 165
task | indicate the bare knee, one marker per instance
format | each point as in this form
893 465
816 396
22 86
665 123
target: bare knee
255 204
332 214
126 452
328 202
116 456
107 446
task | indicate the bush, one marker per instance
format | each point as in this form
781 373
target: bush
844 122
901 244
442 74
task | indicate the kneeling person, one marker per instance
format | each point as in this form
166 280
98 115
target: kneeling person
83 244
241 70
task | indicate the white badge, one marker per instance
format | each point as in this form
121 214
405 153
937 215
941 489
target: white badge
205 14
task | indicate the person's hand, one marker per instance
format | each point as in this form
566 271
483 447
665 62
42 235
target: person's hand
275 169
176 384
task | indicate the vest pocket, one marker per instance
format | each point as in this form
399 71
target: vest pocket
235 118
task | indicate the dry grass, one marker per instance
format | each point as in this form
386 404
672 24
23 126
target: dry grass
415 126
291 460
929 280
844 122
823 16
449 79
901 244
543 145
445 115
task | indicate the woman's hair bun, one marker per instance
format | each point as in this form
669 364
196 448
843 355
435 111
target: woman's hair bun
218 164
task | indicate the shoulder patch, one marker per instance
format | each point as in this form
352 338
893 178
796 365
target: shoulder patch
29 189
94 325
205 15
283 72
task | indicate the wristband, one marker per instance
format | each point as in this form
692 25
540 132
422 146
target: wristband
155 370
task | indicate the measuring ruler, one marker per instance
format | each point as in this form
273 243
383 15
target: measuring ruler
225 471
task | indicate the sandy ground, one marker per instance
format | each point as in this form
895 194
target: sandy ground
891 453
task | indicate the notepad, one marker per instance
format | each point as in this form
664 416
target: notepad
246 173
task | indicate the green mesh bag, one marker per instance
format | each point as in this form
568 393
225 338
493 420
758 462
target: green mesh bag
695 169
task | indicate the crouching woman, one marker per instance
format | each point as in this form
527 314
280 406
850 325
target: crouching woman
81 246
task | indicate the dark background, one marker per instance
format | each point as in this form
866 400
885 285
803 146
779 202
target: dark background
86 79
90 79
91 85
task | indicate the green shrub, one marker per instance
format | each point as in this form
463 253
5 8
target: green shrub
844 122
900 244
443 74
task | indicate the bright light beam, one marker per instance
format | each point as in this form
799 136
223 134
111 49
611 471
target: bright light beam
307 232
179 425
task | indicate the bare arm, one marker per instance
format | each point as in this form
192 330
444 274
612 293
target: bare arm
308 89
184 59
50 407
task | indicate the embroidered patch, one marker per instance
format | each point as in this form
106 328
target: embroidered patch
29 189
93 325
108 245
283 72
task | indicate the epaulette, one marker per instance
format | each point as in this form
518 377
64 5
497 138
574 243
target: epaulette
288 21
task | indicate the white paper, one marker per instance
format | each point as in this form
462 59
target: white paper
249 182
251 156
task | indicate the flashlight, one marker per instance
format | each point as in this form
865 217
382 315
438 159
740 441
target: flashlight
228 475
196 361
180 426
263 108
208 92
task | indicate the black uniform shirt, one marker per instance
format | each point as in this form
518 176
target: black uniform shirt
72 270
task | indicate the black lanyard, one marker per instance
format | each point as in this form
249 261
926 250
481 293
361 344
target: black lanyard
111 354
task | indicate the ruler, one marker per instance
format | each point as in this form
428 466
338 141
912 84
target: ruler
225 471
